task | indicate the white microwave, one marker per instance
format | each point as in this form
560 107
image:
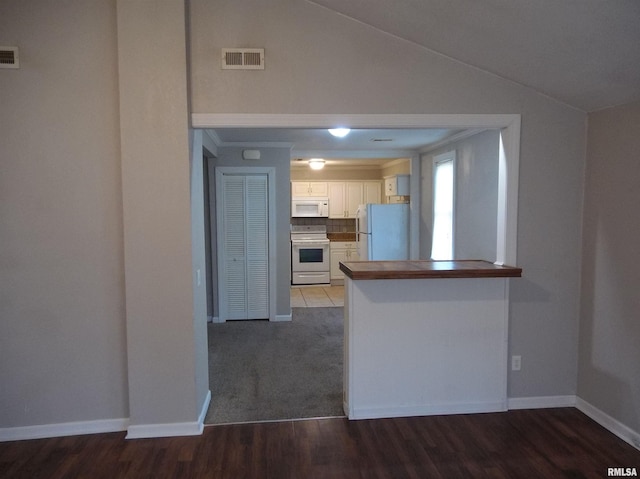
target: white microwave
309 207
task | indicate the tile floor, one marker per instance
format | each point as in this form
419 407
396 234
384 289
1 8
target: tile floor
317 296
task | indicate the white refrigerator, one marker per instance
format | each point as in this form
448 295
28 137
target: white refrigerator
383 232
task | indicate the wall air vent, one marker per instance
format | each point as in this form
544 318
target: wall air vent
243 58
9 57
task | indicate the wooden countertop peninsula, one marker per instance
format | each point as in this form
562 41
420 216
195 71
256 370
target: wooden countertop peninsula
425 347
371 270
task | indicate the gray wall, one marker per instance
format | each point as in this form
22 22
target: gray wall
63 354
397 167
199 265
476 196
278 158
318 61
609 375
100 316
165 326
63 350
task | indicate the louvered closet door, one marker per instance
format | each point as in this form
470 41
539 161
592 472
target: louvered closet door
257 227
244 278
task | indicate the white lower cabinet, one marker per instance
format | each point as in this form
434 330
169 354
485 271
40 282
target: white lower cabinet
341 251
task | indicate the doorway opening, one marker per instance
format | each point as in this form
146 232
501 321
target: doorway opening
508 125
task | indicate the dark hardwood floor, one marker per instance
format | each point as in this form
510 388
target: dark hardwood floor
546 443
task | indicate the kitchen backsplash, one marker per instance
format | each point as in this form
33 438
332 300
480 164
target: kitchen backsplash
333 226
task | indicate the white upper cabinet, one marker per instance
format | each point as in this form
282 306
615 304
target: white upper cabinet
346 196
337 200
372 192
309 188
397 185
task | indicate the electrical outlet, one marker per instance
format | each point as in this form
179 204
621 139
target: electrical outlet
198 279
516 363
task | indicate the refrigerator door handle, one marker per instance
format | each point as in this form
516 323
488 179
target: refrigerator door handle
358 229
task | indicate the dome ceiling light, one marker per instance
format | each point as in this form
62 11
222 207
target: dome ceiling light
316 163
339 132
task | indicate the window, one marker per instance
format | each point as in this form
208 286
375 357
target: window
444 168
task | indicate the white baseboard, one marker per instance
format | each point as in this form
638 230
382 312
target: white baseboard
210 319
541 402
203 411
424 410
193 428
64 429
612 425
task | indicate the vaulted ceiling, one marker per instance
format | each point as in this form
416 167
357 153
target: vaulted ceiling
584 53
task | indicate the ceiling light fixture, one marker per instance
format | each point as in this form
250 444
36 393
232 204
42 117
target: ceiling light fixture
316 163
339 132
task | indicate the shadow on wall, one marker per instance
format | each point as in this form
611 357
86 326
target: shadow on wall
608 349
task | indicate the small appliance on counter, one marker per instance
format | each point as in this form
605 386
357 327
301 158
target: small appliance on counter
310 257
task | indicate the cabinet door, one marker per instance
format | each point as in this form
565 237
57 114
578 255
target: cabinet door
309 188
396 185
299 188
402 185
372 191
336 199
352 252
353 198
318 188
337 255
390 186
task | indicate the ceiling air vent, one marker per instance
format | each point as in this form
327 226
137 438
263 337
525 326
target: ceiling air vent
243 58
9 57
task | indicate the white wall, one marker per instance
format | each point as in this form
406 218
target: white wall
476 203
609 368
320 62
63 351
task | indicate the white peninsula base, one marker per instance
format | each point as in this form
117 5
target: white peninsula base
430 346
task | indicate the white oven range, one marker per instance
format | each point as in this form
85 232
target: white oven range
310 257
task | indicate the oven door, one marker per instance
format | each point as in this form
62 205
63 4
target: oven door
310 256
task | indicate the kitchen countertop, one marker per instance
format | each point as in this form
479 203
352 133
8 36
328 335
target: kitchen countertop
371 270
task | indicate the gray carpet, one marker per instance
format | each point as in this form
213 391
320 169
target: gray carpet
261 371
